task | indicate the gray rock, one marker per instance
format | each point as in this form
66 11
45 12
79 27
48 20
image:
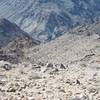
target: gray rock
62 66
78 82
80 97
7 67
50 65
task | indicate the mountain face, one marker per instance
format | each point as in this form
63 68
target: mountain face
47 19
13 41
10 32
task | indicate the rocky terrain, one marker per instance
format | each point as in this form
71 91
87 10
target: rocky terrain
72 46
47 19
32 67
67 68
13 41
9 32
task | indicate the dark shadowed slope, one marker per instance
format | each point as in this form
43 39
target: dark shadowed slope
13 41
9 32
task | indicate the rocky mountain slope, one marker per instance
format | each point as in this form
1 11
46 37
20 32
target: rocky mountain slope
67 68
13 40
9 32
72 46
47 19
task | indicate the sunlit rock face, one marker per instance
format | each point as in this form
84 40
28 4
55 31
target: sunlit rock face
47 19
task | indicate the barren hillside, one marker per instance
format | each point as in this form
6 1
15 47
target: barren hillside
67 68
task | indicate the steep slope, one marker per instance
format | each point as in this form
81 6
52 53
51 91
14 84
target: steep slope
10 32
74 45
13 40
47 19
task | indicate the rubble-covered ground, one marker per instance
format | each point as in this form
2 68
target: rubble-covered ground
67 68
77 81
